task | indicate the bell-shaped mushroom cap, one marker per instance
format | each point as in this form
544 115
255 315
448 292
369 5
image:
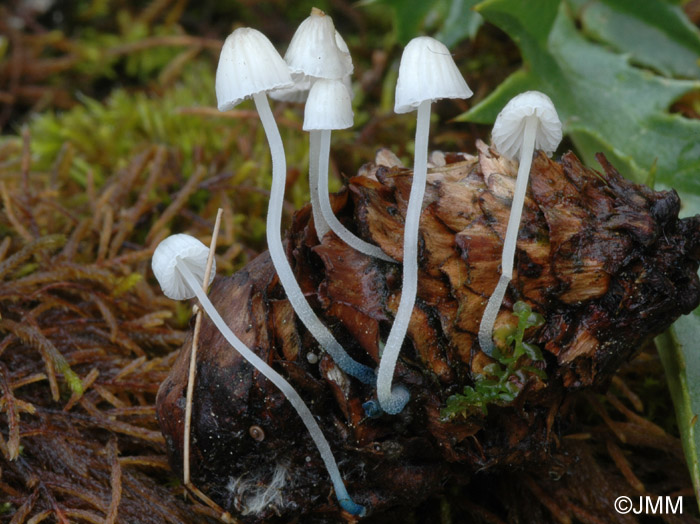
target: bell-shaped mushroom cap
328 106
427 72
180 249
314 49
345 54
510 124
297 93
248 64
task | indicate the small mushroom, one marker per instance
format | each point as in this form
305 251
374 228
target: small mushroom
314 49
426 73
178 254
529 121
249 66
316 52
329 107
179 263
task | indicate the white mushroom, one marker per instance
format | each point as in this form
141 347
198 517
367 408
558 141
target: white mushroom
295 94
329 107
319 52
529 121
174 253
250 66
427 73
314 49
298 93
178 263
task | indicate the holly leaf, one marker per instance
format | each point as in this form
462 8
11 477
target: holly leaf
460 21
678 352
450 20
606 103
656 35
407 19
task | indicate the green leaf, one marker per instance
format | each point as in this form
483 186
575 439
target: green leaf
678 351
493 385
532 352
655 34
408 17
588 83
450 20
460 22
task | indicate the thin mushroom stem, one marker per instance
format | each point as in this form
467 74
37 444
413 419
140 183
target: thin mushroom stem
274 243
289 392
488 320
324 139
393 401
320 223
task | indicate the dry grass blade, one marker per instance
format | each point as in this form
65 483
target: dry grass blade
9 210
629 394
23 512
116 481
224 515
634 417
105 232
129 217
71 247
36 519
88 381
178 203
158 461
624 466
53 359
48 242
8 403
557 512
4 247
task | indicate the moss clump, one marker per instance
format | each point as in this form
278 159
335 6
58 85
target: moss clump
503 379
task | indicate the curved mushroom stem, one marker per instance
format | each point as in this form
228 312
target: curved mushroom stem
274 243
319 222
488 320
394 401
324 139
294 399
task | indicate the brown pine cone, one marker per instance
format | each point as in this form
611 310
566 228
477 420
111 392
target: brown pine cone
607 263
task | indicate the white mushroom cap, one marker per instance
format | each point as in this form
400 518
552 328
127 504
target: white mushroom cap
328 106
345 54
297 93
427 72
314 49
248 64
510 124
180 249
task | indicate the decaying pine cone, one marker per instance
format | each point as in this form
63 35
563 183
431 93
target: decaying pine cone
606 262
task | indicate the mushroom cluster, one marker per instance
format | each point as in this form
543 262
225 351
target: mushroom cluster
316 69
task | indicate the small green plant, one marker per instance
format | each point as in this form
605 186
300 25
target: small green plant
502 381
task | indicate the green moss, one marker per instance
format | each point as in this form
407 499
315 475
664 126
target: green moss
502 380
126 284
104 135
